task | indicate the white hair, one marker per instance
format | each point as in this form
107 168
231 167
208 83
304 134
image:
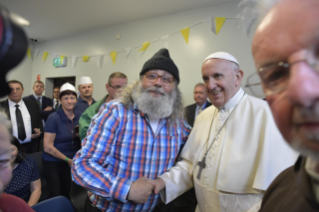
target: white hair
255 9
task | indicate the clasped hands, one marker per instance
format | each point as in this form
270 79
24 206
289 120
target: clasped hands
143 187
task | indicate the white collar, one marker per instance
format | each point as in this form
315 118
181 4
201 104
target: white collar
234 100
12 104
36 97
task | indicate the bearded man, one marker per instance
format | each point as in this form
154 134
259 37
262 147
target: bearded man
135 137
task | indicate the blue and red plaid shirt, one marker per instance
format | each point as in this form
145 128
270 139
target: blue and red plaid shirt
121 147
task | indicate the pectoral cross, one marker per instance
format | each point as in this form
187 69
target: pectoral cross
202 165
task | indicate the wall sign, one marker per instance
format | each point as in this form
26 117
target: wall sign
59 62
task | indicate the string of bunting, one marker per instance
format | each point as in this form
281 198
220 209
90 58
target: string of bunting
215 24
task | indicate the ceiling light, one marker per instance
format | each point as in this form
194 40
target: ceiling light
19 20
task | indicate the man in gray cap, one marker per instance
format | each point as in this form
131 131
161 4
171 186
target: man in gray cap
234 151
135 137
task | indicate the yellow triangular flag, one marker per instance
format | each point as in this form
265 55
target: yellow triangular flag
85 58
45 55
219 23
185 33
29 53
145 46
113 56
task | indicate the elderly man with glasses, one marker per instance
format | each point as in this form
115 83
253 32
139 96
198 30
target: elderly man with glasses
116 82
285 50
135 137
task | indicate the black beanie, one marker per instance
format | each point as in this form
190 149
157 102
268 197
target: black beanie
161 60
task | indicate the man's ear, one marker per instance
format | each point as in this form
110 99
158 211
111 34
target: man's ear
239 77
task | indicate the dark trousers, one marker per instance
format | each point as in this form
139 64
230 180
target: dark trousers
89 207
27 147
58 176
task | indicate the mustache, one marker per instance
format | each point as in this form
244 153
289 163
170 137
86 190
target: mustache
309 114
157 89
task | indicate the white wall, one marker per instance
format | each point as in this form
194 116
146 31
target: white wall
188 57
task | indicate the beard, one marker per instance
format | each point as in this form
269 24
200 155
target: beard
154 106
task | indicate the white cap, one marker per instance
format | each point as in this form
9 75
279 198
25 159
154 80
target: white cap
67 87
224 56
85 80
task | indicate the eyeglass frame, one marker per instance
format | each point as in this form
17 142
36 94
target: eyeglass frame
160 76
115 88
286 65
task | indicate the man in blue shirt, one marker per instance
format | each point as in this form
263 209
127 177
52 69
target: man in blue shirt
86 90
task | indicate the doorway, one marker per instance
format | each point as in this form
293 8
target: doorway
51 83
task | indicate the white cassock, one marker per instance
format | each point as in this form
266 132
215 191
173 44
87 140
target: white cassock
245 158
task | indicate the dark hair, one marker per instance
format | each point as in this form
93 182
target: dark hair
15 81
21 154
57 87
38 81
116 75
67 92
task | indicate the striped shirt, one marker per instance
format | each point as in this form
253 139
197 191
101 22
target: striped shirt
121 147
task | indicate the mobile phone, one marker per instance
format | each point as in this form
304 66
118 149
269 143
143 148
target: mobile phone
76 130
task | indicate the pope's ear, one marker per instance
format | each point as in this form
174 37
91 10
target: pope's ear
239 77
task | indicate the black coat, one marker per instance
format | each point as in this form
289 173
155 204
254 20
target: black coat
46 102
36 121
190 111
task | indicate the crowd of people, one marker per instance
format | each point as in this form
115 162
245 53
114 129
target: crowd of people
140 149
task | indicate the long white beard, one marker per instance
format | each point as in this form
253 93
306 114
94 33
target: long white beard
156 107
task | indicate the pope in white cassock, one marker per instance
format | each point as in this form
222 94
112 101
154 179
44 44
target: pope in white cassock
234 151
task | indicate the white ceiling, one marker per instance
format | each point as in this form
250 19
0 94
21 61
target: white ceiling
57 18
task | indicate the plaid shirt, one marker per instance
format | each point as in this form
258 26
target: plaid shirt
120 147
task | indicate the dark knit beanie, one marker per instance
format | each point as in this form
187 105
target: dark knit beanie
161 60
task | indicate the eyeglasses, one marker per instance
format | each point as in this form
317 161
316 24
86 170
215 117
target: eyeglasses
274 78
115 87
166 80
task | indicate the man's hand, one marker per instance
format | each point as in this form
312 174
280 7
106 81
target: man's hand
158 184
140 190
48 108
36 134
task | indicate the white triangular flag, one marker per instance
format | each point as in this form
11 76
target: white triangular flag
210 24
165 41
128 52
36 53
74 59
99 61
246 25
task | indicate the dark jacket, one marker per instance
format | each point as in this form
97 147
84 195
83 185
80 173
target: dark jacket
190 111
291 191
36 121
46 102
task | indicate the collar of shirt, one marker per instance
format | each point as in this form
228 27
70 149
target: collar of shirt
36 97
63 116
12 104
80 100
203 106
234 100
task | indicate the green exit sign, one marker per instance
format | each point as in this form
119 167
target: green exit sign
59 62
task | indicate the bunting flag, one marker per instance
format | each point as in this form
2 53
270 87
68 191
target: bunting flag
219 23
74 59
86 58
45 55
99 61
36 53
128 52
246 25
62 57
29 53
165 41
113 57
210 24
145 46
185 33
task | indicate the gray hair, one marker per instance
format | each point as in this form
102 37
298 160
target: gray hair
252 9
127 99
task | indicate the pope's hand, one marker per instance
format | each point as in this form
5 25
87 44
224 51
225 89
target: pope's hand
158 184
140 190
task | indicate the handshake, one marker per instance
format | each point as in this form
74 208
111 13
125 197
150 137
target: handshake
143 187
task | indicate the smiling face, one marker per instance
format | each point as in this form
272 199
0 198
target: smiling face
221 79
200 95
284 36
68 102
